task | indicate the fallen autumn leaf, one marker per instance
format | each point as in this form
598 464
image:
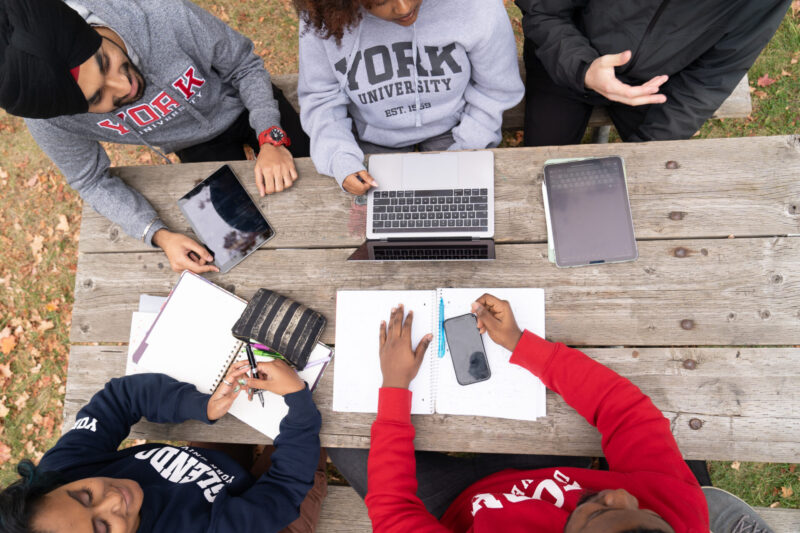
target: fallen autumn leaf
63 225
765 81
7 344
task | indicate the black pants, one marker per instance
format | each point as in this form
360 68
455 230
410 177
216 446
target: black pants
555 115
229 145
441 477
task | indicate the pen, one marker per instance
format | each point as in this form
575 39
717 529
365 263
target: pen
252 360
441 327
258 346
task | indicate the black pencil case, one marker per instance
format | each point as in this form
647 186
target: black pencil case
288 327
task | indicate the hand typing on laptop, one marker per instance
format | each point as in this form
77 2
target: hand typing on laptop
359 183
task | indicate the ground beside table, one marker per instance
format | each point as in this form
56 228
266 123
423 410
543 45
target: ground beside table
703 323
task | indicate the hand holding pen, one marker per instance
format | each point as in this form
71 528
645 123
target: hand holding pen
254 371
277 377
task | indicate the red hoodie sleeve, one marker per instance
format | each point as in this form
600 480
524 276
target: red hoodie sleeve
636 435
392 500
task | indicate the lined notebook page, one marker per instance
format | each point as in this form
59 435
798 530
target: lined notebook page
191 338
358 371
512 391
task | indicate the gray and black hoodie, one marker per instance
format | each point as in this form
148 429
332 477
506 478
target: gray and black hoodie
455 69
200 74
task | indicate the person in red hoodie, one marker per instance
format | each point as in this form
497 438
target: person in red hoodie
648 487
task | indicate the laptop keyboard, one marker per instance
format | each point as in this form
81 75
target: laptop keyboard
453 253
430 210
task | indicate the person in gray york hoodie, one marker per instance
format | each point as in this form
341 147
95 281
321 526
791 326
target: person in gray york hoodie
394 75
160 73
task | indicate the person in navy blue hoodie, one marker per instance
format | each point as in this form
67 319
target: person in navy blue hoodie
85 484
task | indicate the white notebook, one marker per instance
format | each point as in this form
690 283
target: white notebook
190 340
511 392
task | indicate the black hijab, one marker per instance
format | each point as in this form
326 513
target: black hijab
40 41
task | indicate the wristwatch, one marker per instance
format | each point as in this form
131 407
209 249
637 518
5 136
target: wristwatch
274 136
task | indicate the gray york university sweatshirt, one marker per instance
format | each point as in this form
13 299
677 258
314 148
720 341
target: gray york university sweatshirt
455 69
200 74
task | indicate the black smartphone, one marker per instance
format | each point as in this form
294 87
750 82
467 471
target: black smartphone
466 349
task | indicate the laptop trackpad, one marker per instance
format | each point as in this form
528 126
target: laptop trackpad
430 171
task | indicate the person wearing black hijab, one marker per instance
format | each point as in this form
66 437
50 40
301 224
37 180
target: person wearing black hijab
165 74
41 41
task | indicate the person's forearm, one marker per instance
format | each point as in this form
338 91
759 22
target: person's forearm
391 500
273 501
106 420
636 436
324 113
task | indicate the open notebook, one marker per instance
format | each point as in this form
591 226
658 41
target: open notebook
511 392
190 340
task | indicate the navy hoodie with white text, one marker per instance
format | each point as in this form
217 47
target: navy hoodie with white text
187 488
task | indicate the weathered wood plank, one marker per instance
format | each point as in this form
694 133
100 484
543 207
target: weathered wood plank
737 105
699 292
723 187
747 400
344 510
781 520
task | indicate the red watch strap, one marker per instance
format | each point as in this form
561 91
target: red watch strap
264 137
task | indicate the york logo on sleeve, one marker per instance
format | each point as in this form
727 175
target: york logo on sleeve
160 109
87 422
185 465
549 490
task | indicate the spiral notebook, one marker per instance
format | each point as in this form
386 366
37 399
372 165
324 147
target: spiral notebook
511 392
190 340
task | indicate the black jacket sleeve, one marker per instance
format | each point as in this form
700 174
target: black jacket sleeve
697 91
562 48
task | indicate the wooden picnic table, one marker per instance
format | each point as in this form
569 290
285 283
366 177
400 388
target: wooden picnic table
706 321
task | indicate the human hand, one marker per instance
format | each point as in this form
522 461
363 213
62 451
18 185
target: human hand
495 316
274 169
228 390
359 183
183 252
276 376
399 362
601 78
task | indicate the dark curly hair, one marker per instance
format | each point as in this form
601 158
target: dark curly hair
331 18
19 501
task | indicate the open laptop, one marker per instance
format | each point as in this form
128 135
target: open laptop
436 206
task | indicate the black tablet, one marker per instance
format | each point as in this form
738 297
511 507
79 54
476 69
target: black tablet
589 212
225 218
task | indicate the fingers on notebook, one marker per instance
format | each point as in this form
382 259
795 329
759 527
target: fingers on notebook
382 335
422 347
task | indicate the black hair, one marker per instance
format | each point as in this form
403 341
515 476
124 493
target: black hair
20 500
588 494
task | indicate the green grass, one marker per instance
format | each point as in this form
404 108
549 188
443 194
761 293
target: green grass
776 108
34 392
